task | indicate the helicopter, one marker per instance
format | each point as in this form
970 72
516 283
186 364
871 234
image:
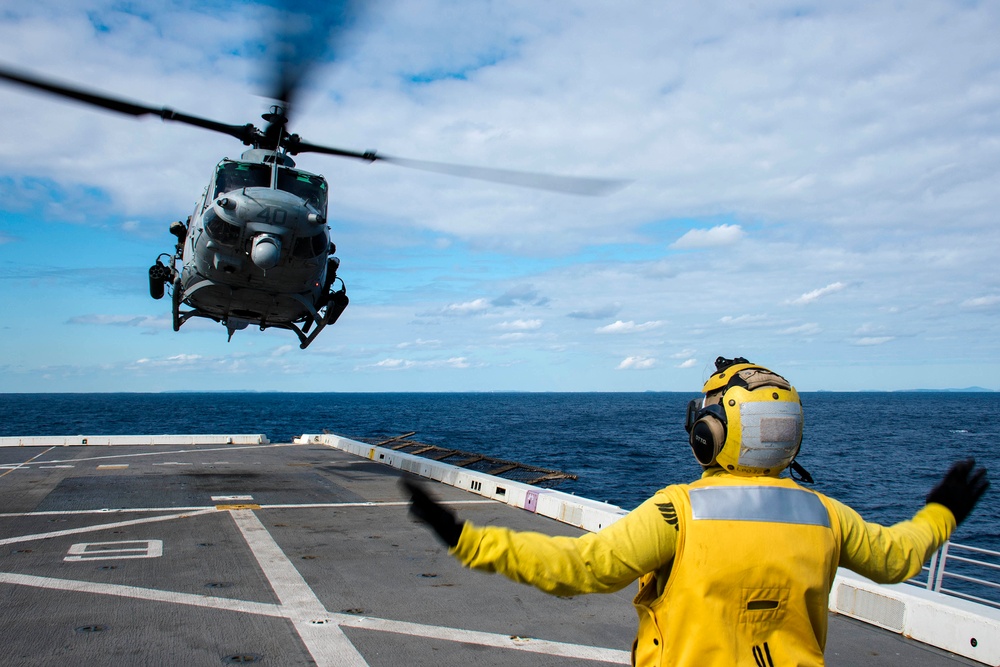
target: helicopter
256 250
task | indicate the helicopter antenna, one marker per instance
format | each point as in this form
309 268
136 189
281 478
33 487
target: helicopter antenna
276 119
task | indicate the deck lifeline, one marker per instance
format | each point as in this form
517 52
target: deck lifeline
285 555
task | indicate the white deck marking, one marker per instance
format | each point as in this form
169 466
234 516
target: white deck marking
111 510
20 465
117 550
211 508
386 503
319 630
492 639
103 526
227 448
326 642
139 593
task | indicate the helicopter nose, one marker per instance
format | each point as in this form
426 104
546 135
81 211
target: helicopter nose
266 251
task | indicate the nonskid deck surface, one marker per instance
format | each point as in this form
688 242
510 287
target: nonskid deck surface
285 555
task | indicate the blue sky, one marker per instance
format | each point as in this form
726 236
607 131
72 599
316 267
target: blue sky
813 187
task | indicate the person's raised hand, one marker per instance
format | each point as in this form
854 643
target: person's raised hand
959 491
434 514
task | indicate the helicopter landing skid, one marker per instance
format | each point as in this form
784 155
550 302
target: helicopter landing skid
335 304
332 307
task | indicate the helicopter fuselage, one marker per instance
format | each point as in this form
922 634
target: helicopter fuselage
257 250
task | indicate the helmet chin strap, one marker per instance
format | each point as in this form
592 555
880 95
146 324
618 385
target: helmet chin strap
795 468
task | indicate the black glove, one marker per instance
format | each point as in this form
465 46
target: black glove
433 513
959 492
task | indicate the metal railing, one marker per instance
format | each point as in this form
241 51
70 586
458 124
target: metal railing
964 574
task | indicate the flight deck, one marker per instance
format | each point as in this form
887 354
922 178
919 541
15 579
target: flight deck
287 554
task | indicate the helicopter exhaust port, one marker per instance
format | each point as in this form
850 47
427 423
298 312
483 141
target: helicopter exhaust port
266 251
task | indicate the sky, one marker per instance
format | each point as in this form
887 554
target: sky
813 186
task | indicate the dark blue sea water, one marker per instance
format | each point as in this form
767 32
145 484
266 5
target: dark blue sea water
878 452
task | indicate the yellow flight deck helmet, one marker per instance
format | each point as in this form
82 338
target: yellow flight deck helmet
749 421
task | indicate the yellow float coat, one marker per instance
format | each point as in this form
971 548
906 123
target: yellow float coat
733 570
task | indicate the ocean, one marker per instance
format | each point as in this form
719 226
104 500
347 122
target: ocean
878 452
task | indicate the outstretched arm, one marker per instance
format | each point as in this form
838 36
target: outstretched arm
896 553
600 562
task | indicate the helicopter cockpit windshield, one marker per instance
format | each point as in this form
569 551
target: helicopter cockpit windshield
308 187
232 176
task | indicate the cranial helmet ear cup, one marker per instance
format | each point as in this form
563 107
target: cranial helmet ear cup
708 435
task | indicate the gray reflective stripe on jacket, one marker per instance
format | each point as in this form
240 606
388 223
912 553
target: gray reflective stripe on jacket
758 503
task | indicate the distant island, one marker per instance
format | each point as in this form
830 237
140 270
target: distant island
966 389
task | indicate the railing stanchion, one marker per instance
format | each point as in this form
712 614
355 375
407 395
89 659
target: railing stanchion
939 578
932 570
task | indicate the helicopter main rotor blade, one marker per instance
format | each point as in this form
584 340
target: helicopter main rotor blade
304 33
245 133
574 185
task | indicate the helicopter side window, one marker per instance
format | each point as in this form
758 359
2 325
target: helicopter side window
310 246
220 230
233 176
305 186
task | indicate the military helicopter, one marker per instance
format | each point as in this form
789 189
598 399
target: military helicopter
257 249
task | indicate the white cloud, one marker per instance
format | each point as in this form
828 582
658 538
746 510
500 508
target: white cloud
873 340
689 363
743 319
620 327
809 297
466 308
175 361
807 329
868 328
982 301
395 364
420 342
722 235
519 325
637 363
457 362
119 320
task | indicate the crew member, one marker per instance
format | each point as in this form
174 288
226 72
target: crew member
736 567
